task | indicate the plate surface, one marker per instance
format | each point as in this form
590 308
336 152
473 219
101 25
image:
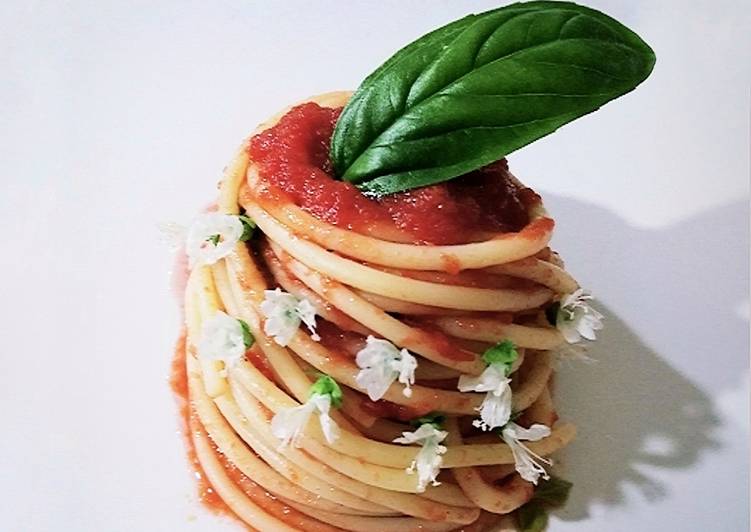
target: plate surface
120 116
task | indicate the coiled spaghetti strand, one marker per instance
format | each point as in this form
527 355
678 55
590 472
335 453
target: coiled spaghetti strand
376 283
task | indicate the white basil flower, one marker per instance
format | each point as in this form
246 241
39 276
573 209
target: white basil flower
288 424
284 313
307 315
212 237
224 338
495 410
381 363
429 458
576 319
524 458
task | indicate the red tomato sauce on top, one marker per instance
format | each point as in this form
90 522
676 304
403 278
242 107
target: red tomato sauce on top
292 157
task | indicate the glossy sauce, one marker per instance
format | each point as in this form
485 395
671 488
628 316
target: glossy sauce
438 340
255 356
191 424
179 385
292 160
337 339
386 409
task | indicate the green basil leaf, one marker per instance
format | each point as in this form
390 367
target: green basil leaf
248 338
433 418
503 352
325 385
553 492
532 517
473 91
248 227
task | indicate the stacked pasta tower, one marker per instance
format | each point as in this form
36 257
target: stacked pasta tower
285 426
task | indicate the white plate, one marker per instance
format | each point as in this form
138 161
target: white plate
118 116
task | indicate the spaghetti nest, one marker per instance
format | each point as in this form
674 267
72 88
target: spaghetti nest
446 305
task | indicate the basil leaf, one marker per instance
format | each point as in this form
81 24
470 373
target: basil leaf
553 492
532 517
248 227
248 338
325 385
479 88
503 352
433 418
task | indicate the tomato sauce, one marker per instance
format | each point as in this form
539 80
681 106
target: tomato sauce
255 356
179 385
293 163
262 498
189 424
437 339
386 409
335 338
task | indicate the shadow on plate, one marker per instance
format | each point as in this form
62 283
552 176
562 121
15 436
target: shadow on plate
634 410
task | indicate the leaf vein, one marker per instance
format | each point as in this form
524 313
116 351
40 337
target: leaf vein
470 128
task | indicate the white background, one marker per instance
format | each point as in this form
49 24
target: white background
117 116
